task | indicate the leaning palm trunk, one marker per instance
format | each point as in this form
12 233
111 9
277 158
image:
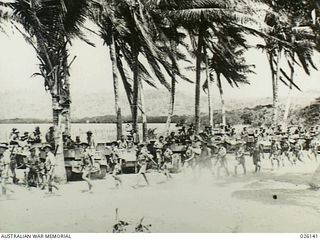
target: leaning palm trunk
135 91
171 104
288 104
172 95
143 113
223 109
198 79
209 93
116 88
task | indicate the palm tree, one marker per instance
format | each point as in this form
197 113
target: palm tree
134 41
227 60
200 19
49 27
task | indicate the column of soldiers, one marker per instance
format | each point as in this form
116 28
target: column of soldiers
24 152
211 150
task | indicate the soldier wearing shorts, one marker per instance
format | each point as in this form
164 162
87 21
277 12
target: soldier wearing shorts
222 160
50 165
143 157
240 160
256 153
5 168
167 163
115 173
275 153
87 165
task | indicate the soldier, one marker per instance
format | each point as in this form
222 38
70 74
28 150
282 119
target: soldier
50 168
32 178
35 137
313 149
135 137
25 137
14 137
122 143
192 137
256 153
171 138
205 158
240 160
222 160
285 151
297 152
143 156
87 165
90 140
50 137
115 173
158 145
78 140
5 160
167 161
275 153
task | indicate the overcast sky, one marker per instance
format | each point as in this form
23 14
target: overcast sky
91 72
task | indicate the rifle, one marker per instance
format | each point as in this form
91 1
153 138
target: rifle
56 150
11 153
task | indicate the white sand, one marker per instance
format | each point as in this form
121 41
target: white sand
229 204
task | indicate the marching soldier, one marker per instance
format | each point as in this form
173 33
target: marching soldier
222 160
115 173
297 152
285 152
158 145
205 158
313 149
167 161
143 157
240 160
5 159
87 165
50 168
275 153
32 178
256 153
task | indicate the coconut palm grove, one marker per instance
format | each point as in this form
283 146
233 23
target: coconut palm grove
242 168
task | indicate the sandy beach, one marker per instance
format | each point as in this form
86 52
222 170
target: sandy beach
271 201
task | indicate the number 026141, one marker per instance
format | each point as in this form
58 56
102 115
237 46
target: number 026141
308 235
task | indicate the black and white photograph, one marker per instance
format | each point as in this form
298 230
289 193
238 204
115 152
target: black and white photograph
159 116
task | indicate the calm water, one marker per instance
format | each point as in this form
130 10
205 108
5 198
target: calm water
102 132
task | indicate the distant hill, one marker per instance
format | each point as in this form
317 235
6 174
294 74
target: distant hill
29 105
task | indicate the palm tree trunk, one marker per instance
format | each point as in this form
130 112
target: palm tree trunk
223 109
67 107
289 99
57 117
198 80
172 96
171 104
275 89
116 88
143 113
135 90
124 79
208 79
